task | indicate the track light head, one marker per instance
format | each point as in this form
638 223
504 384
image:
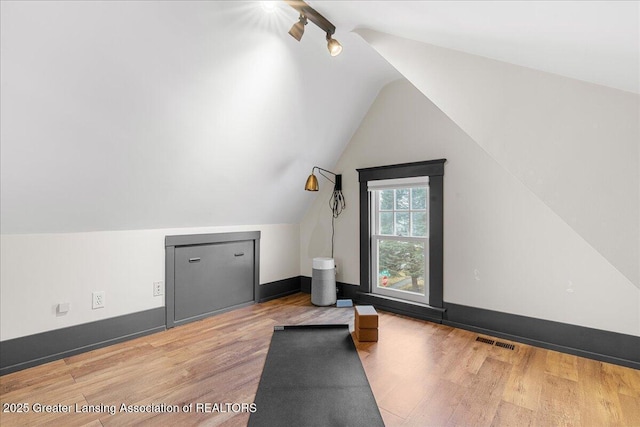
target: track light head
334 46
298 28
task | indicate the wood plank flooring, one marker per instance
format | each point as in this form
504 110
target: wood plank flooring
421 373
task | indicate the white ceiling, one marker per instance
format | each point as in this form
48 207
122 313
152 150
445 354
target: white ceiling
594 41
127 115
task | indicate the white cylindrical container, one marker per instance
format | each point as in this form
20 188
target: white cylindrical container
323 282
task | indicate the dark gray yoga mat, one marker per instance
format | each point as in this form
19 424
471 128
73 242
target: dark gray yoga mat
313 377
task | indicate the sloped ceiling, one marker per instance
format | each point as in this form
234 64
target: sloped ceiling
547 132
129 115
594 41
139 115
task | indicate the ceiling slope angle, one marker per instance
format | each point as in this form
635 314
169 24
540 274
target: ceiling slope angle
593 41
547 131
141 115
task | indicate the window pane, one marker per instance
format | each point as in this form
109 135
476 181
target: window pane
402 223
419 224
386 223
401 266
419 198
386 200
402 199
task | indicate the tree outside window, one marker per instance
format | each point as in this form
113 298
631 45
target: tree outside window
400 240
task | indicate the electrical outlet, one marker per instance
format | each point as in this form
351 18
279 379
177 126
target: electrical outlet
98 300
570 287
158 288
62 309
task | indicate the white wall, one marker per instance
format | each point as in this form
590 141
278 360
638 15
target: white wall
109 109
504 248
572 144
38 271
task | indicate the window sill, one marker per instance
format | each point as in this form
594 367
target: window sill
399 306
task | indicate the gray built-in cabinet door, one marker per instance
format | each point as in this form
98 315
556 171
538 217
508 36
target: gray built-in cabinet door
212 277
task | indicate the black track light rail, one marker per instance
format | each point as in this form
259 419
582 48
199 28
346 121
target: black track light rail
313 15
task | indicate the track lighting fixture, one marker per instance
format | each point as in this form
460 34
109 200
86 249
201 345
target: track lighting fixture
298 28
334 46
307 11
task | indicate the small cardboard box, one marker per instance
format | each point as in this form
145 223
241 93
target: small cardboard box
366 317
370 334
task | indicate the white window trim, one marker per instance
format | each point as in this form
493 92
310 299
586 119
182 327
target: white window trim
384 184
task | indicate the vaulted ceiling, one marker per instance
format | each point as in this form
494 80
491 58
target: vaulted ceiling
130 115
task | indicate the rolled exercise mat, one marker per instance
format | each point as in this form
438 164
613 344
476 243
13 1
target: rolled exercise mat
313 377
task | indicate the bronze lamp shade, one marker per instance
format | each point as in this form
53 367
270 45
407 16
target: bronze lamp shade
312 183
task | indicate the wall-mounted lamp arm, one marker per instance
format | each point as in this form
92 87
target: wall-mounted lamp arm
320 170
312 181
337 184
336 203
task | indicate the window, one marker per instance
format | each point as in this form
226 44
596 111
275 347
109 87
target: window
401 219
400 238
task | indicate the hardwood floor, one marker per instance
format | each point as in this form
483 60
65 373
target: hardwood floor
421 373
